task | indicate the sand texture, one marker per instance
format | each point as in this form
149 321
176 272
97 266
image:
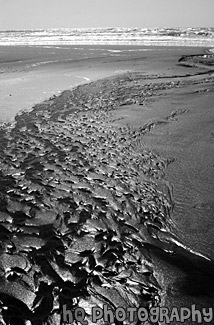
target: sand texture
106 193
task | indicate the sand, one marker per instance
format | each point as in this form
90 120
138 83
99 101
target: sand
106 189
29 75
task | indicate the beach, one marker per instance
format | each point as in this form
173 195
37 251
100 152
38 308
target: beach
31 74
106 160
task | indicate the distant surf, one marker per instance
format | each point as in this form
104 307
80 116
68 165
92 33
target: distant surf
118 36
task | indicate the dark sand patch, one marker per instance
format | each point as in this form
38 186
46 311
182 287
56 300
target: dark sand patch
81 199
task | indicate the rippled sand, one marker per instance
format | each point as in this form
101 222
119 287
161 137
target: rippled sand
106 189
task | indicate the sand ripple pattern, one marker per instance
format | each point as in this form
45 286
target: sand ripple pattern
79 205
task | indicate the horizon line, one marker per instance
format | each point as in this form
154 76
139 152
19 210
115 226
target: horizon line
106 27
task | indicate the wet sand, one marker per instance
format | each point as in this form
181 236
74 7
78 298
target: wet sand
106 189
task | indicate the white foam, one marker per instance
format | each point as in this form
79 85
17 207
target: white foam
115 51
85 78
110 36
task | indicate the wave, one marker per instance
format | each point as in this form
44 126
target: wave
120 36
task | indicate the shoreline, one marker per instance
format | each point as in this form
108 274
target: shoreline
95 165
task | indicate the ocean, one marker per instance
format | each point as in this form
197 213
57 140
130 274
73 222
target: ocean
119 36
